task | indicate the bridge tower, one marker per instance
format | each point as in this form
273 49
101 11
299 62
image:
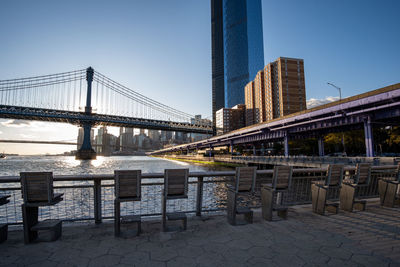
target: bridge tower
86 151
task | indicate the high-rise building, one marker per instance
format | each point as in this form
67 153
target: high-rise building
249 102
217 56
229 119
291 85
237 49
278 90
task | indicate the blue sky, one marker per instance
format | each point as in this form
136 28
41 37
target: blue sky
162 49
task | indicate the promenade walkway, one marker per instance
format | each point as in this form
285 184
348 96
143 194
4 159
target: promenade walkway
370 238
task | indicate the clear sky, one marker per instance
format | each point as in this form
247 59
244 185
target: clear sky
162 49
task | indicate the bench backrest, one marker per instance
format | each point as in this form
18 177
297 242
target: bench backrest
282 177
176 182
334 175
245 179
37 186
363 173
127 183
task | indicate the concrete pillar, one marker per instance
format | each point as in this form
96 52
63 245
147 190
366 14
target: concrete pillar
321 151
286 145
231 147
86 151
262 149
254 150
369 139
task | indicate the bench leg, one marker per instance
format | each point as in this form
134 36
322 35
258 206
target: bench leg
184 222
347 194
360 205
3 233
319 195
30 218
267 198
139 228
56 232
164 213
382 189
231 207
333 209
314 197
390 195
117 218
283 214
249 217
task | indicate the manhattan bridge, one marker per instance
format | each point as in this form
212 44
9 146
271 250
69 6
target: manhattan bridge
88 98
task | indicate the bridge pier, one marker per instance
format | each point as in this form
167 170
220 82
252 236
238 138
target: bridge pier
369 139
321 150
86 151
286 145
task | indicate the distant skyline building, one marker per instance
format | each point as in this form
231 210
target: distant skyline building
237 49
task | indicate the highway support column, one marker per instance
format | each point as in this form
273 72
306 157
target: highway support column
369 139
286 144
321 150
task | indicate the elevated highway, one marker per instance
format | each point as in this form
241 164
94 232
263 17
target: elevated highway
381 107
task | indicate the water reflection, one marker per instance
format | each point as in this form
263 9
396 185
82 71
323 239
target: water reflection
98 161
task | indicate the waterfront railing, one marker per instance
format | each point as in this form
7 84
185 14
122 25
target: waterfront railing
89 197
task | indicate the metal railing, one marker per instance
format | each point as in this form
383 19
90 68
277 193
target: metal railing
91 197
312 161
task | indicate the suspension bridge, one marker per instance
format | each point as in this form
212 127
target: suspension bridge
88 98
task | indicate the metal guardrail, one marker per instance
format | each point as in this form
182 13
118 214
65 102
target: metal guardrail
313 161
91 197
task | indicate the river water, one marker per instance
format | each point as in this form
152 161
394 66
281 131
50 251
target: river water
67 165
78 203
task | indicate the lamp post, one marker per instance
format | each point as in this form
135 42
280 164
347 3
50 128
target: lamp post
340 98
340 90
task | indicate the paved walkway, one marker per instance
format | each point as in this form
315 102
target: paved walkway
370 238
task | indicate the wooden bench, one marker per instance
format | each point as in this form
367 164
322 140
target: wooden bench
281 182
175 187
350 188
37 191
320 190
4 227
244 183
127 187
389 190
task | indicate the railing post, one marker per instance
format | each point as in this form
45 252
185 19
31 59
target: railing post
97 201
199 202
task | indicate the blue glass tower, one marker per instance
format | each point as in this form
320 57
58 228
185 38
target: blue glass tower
243 47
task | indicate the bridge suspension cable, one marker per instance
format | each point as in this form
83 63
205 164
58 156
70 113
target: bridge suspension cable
146 107
67 91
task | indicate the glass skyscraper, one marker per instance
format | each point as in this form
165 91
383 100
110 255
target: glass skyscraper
237 43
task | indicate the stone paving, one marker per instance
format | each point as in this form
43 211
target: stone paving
369 238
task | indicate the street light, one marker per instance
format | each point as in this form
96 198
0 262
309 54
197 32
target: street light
340 90
340 98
